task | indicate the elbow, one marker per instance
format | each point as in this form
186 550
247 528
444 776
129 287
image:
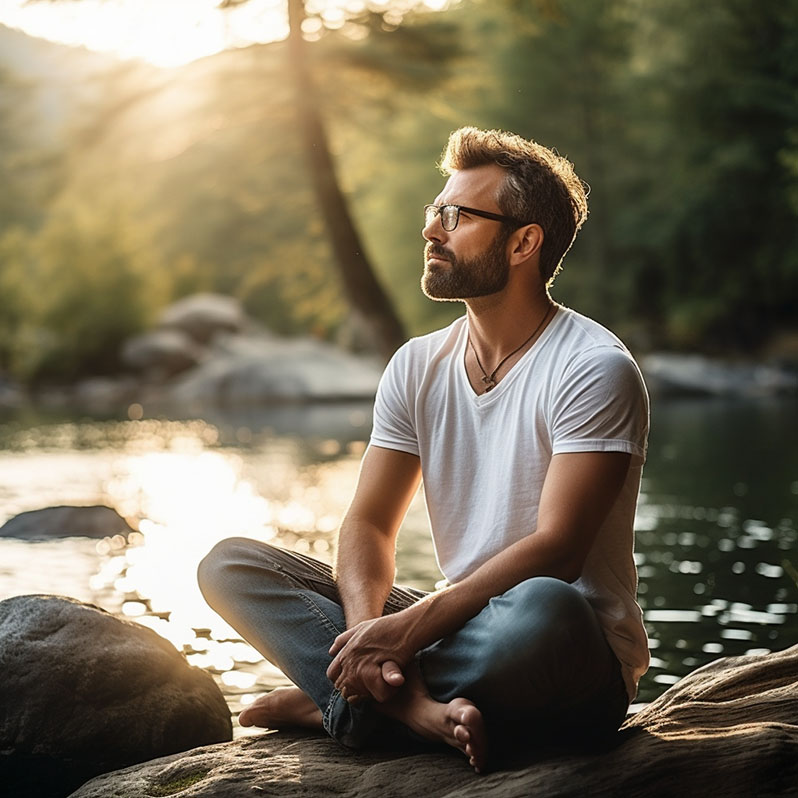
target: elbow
570 572
566 568
564 563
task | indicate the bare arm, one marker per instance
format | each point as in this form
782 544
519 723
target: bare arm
365 563
578 493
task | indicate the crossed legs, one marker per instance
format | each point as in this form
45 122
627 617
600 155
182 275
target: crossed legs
533 658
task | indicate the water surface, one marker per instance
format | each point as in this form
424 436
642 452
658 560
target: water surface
716 523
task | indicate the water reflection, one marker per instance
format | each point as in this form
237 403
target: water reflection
715 535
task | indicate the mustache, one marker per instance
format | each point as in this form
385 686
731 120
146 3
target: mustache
438 250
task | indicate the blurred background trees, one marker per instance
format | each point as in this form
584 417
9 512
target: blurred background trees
683 118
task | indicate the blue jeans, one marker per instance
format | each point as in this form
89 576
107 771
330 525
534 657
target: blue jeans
534 660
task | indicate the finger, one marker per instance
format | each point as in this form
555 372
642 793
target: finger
341 641
354 699
334 670
347 692
392 674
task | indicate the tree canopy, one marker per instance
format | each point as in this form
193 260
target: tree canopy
682 117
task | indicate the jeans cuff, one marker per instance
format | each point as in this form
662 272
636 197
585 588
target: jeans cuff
350 724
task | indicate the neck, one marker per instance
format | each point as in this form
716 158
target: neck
497 324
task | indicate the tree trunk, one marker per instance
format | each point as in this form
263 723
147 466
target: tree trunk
360 283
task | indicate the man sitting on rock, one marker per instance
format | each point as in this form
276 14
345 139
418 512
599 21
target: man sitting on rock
527 423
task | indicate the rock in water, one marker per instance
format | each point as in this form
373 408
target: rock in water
729 730
96 521
82 692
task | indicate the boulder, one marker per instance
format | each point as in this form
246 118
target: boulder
160 354
672 373
202 316
728 729
96 521
244 371
82 693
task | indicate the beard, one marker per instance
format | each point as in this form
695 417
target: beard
482 275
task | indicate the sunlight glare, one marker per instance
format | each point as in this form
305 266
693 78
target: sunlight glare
170 33
166 34
190 499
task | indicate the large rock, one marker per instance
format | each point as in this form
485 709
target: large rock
673 373
160 354
95 521
252 370
82 692
202 316
729 729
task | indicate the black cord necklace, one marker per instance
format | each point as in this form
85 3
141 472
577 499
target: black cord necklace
490 379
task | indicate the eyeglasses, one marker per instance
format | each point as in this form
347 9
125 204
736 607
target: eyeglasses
450 215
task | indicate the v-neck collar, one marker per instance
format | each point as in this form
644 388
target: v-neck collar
486 397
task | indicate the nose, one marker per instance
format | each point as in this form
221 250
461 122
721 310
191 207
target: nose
434 230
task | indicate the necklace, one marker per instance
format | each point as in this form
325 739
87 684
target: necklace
490 379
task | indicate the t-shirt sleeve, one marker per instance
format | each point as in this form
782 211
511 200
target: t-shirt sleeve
393 426
601 405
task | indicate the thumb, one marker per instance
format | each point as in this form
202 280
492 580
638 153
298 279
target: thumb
392 674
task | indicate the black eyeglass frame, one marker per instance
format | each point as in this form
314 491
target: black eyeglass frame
497 217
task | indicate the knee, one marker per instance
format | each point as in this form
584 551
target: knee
545 603
216 569
543 590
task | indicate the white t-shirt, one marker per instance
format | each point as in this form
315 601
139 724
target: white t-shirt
484 457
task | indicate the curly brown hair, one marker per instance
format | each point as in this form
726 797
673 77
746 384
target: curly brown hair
540 186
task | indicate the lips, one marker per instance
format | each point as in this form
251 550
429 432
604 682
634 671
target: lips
436 254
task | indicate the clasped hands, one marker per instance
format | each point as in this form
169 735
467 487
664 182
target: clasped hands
369 658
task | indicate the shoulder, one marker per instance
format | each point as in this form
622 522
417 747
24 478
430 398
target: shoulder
588 360
583 345
418 352
598 398
582 333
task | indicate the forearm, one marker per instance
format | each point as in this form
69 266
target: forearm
447 610
364 569
365 562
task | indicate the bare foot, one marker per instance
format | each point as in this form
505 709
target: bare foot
281 708
458 723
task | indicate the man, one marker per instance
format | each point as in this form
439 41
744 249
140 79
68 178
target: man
528 425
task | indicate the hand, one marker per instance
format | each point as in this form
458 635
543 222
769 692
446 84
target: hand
369 659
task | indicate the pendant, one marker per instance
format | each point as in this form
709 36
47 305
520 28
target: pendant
489 382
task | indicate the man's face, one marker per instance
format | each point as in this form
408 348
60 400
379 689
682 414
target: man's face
471 260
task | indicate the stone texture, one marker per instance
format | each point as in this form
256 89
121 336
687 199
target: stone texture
202 316
729 729
82 693
160 354
95 521
244 371
673 373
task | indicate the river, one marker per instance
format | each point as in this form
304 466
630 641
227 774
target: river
716 527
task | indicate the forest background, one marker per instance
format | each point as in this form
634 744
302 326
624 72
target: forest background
124 186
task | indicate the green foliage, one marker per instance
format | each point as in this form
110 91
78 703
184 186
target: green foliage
682 116
78 288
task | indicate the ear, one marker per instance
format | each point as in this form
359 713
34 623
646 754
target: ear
525 243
